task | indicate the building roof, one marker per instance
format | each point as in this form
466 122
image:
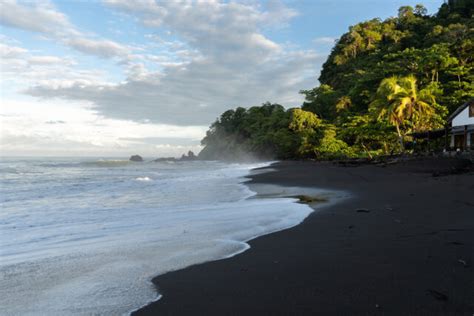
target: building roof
459 110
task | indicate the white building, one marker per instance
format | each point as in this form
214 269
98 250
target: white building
462 126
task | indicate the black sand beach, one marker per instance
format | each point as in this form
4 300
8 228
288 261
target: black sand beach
403 245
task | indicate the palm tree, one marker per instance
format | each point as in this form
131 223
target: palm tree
399 101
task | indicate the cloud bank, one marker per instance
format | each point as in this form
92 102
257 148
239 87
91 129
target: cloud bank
220 58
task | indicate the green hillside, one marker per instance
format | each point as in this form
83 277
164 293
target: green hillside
382 81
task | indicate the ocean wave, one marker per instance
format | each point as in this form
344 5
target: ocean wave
107 163
59 165
76 233
143 179
96 163
8 170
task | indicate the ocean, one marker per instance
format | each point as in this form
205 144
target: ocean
86 236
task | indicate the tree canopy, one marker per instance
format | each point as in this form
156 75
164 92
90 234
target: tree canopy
382 81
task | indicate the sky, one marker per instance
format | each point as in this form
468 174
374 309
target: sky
120 77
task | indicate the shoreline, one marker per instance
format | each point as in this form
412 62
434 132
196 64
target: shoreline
396 247
319 198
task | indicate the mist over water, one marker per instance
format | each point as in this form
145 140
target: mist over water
86 237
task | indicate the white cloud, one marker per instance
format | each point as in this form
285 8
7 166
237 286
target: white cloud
7 52
210 56
101 48
277 14
229 63
24 68
52 128
42 17
49 60
210 26
326 40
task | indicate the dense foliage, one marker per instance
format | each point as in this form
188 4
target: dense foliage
382 81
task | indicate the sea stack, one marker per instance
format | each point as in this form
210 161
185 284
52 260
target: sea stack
191 156
136 158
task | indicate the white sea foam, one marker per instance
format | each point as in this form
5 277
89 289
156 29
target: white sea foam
143 179
86 238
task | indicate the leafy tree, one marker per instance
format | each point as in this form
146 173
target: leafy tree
321 100
308 128
368 135
329 146
382 81
399 101
344 103
406 13
420 10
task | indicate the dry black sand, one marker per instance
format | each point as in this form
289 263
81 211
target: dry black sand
403 245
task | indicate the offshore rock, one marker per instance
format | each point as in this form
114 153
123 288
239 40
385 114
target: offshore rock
137 158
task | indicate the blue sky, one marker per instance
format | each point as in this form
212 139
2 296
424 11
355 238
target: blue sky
326 18
106 77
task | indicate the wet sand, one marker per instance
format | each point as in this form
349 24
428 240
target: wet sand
402 245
